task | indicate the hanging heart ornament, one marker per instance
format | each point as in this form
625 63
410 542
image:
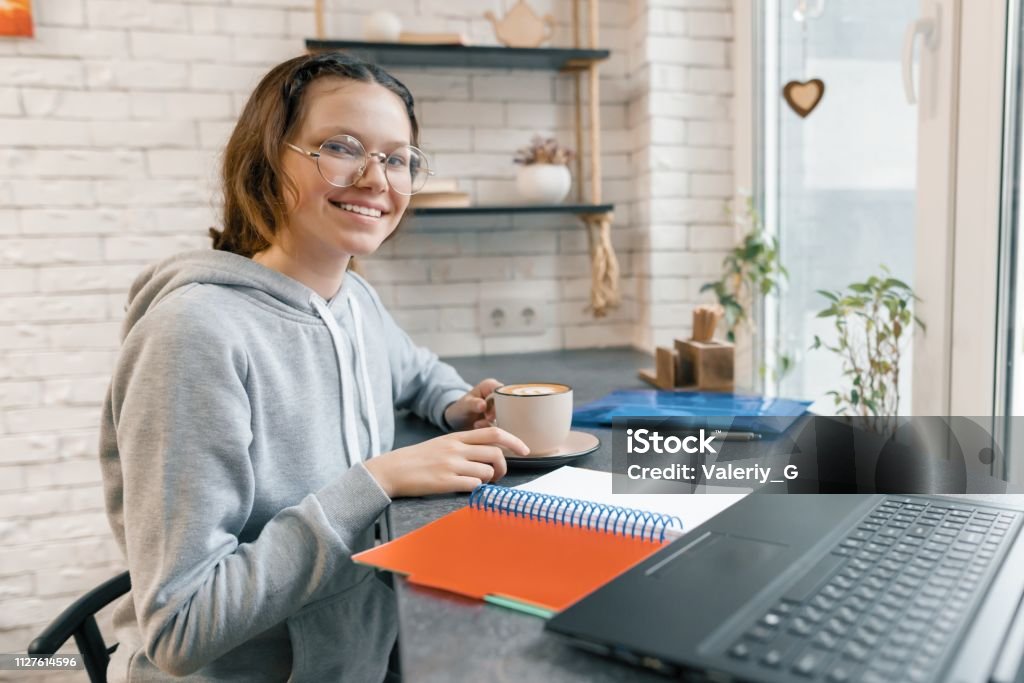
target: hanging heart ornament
804 97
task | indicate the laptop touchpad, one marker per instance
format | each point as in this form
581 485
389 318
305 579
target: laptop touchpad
724 559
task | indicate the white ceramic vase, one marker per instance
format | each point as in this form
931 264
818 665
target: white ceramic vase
543 183
382 27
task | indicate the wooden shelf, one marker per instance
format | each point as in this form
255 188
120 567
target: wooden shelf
513 209
466 56
583 64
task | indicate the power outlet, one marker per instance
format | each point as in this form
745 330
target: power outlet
500 317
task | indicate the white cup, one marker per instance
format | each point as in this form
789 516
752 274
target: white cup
539 413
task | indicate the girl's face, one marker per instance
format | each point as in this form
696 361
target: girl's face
321 222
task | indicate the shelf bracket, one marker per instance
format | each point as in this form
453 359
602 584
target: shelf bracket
604 266
318 15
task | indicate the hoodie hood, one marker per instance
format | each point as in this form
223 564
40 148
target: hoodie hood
280 291
206 266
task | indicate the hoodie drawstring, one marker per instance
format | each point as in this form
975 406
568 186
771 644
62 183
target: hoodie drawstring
348 388
371 407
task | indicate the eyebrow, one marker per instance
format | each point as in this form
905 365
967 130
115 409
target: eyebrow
330 131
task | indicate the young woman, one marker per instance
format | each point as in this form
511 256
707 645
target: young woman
247 434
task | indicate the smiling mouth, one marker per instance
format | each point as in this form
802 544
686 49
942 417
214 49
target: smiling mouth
361 210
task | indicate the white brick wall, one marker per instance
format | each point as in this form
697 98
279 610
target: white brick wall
682 129
111 123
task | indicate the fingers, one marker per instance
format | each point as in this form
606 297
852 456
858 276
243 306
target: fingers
486 436
485 387
494 436
465 484
493 457
482 454
476 470
482 424
500 467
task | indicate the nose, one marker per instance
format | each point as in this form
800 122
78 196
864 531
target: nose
373 177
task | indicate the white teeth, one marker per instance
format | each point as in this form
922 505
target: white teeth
363 210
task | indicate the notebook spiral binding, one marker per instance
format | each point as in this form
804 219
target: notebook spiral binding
651 526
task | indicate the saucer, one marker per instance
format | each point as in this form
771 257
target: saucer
576 445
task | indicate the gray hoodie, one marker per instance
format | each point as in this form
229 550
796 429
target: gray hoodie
234 430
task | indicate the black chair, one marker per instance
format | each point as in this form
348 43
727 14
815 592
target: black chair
79 621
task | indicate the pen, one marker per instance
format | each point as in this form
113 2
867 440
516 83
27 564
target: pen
736 436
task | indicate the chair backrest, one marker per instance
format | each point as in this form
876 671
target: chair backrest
79 620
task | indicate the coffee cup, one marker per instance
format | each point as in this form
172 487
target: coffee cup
539 413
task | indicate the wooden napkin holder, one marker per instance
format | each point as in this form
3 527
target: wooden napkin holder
703 364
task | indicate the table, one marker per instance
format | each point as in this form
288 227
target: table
446 638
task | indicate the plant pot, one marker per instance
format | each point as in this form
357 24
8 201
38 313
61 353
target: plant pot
543 183
844 455
382 27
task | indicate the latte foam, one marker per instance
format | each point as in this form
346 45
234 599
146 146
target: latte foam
533 389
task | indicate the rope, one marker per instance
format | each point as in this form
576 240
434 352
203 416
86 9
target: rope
604 266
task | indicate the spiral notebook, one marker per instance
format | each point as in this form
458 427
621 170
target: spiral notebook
534 552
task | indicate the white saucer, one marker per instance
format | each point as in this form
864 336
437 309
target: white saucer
576 445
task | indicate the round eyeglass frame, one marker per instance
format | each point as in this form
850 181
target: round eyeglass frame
379 156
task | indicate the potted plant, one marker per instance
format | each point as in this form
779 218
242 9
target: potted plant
750 270
544 176
873 320
872 323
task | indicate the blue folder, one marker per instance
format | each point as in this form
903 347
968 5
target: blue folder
700 408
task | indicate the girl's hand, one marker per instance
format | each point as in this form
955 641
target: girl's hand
459 461
469 412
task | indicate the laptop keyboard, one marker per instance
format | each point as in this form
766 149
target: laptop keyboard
888 601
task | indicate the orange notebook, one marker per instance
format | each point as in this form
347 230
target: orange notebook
533 552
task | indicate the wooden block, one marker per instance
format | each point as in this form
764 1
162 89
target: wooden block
665 367
686 374
438 199
648 375
708 366
419 38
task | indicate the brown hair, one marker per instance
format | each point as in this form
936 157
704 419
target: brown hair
253 178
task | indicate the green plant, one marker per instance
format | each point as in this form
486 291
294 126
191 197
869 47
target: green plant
872 321
751 270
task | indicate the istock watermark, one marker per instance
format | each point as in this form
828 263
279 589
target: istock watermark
818 454
647 441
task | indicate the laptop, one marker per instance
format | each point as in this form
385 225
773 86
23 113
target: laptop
867 588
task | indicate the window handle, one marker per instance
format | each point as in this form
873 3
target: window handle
928 29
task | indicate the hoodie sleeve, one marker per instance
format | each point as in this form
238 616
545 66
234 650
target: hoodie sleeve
421 382
181 414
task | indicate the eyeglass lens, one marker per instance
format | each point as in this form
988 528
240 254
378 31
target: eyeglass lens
343 160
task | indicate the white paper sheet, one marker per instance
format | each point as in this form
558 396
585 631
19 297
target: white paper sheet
582 484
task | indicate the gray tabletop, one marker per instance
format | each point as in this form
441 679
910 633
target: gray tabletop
443 637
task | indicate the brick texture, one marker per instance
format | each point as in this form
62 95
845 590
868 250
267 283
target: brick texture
681 126
111 123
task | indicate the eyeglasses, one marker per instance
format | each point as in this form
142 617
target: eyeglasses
342 160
